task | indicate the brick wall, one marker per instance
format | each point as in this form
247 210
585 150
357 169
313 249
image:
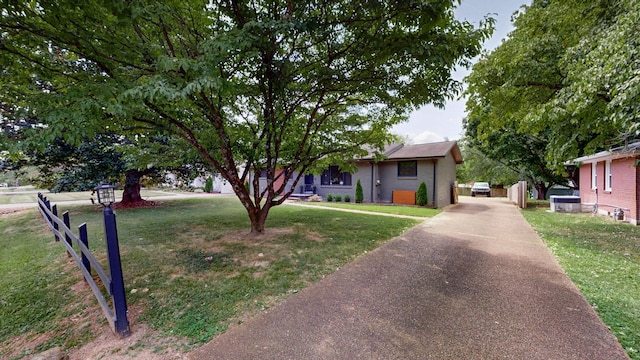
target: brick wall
624 187
587 195
637 195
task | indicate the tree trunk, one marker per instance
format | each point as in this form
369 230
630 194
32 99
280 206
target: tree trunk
257 214
573 173
131 192
542 191
258 217
258 225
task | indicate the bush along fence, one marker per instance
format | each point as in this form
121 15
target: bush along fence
113 283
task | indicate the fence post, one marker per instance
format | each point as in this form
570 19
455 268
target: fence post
47 204
54 210
82 229
40 205
67 223
115 267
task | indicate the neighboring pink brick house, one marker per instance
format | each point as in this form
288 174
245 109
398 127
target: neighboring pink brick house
611 179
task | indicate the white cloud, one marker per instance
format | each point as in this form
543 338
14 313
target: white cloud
433 124
425 137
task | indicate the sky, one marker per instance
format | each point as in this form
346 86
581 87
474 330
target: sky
430 124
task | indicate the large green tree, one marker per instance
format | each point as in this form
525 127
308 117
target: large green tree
113 158
253 86
62 165
564 84
479 167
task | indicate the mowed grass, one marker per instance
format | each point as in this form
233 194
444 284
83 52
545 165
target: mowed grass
416 211
602 258
191 269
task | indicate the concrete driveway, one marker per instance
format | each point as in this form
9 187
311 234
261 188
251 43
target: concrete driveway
474 282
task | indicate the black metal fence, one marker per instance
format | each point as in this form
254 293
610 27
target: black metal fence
112 283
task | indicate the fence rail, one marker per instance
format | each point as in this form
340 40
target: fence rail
87 262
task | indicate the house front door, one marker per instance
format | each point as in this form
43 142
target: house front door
308 184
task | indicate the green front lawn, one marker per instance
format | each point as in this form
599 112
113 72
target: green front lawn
190 266
602 258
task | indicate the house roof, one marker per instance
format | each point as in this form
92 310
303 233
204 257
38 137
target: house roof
632 149
420 151
371 153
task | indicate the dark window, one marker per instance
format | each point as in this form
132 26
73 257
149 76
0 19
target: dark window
333 176
263 173
308 179
408 168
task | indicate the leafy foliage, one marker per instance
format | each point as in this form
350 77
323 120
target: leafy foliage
477 166
422 198
564 84
267 84
63 166
208 185
359 192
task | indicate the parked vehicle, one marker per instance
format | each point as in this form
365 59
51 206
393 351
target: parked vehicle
481 188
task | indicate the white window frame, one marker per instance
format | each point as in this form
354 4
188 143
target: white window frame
594 175
607 175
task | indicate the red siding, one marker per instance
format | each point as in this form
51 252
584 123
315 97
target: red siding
625 181
280 180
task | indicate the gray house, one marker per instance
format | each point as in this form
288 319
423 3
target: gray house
396 178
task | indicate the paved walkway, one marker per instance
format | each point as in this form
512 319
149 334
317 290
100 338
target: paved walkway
474 282
304 204
168 197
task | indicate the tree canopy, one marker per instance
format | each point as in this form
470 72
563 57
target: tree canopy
478 167
113 158
252 86
565 83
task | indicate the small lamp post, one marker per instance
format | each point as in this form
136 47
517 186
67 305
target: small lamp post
106 194
106 197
